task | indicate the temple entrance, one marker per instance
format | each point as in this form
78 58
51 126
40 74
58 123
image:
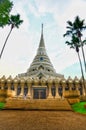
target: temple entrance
39 93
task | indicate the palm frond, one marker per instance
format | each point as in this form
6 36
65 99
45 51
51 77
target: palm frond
72 47
84 42
69 32
15 20
68 27
70 23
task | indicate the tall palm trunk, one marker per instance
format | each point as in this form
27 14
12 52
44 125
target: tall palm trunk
5 42
83 53
82 72
83 56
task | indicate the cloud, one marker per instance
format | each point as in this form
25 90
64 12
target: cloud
19 7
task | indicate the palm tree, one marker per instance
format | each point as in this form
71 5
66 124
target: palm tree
5 9
76 28
75 44
14 21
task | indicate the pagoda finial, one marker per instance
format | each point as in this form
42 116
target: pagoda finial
41 44
42 28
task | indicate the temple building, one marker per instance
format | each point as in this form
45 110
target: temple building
41 69
41 80
41 65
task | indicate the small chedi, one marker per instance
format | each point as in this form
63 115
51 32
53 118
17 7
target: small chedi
41 82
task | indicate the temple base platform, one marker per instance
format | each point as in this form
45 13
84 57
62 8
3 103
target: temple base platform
38 104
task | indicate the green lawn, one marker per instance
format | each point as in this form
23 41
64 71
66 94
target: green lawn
1 105
79 107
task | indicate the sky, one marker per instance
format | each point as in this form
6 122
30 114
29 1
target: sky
23 42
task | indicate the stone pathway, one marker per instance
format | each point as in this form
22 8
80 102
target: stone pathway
41 120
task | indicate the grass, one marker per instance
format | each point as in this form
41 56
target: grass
79 107
2 105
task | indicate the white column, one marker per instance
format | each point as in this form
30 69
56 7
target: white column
77 88
2 85
9 86
29 91
63 89
15 89
50 93
22 91
57 93
70 86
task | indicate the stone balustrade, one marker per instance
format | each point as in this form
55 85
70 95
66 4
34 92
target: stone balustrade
28 84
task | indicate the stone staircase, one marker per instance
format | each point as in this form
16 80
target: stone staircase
38 104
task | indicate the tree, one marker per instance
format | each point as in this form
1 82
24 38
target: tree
75 44
7 19
5 9
14 21
76 28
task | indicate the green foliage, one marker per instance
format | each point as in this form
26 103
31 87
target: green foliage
74 29
15 21
79 107
5 8
7 19
2 105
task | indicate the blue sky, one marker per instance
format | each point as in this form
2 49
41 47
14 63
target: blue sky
23 43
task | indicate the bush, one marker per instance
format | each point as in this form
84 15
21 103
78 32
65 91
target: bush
2 105
79 107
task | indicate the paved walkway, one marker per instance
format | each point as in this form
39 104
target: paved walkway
41 120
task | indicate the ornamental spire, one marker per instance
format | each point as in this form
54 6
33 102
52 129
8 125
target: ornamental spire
41 44
42 29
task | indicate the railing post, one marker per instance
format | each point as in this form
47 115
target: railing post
63 83
56 81
50 82
29 84
3 80
22 83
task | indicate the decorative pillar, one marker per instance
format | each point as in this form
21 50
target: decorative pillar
22 83
2 84
15 83
56 81
76 82
15 88
9 83
63 83
50 82
29 84
3 80
70 83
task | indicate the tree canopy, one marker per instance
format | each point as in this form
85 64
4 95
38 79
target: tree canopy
5 9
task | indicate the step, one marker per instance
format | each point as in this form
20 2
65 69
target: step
38 104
